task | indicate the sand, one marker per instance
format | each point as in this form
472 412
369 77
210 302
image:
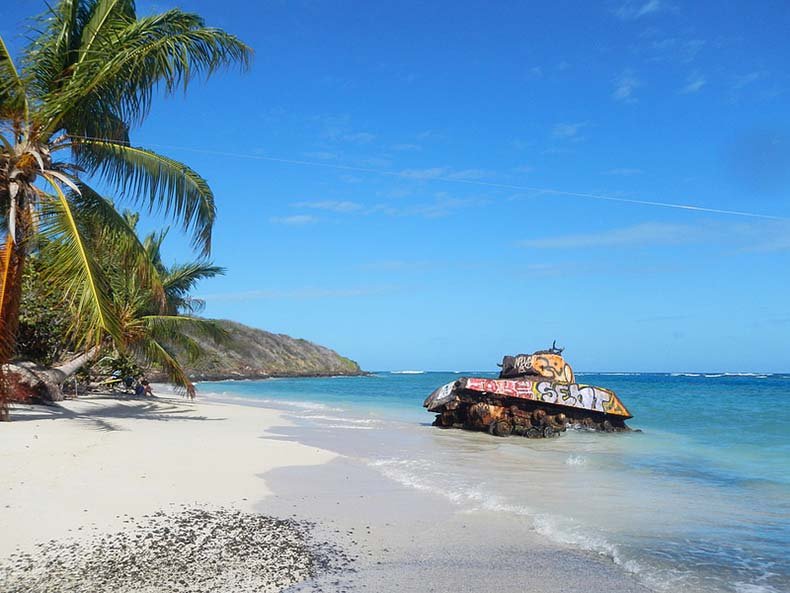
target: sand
91 461
163 494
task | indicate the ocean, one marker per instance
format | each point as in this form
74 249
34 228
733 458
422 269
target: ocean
698 501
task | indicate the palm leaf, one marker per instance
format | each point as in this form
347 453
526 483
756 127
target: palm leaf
118 230
166 327
76 270
13 96
161 183
167 50
151 350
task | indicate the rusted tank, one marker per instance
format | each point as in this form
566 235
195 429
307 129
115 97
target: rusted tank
536 396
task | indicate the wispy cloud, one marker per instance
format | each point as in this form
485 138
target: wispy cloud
322 155
406 147
753 237
623 172
567 131
468 174
743 80
694 84
636 9
295 220
342 206
675 49
359 137
651 233
421 174
625 86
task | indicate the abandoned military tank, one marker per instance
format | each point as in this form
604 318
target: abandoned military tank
536 396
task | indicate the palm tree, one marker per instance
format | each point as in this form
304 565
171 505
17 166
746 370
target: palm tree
66 109
153 302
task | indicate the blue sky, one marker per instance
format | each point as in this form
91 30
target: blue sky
419 185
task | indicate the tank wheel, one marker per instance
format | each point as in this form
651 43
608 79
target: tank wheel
500 428
533 433
549 432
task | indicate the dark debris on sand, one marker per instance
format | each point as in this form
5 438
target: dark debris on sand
193 550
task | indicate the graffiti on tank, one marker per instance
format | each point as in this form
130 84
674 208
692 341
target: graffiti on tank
441 396
573 395
551 366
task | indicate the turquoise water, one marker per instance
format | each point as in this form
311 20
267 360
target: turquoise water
697 501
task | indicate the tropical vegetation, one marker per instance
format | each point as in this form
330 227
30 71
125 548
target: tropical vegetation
88 76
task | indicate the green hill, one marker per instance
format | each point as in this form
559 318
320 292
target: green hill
252 353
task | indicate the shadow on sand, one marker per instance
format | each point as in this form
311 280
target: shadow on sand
101 410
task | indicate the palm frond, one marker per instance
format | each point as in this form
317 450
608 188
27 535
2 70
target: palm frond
76 270
152 351
118 230
180 279
167 50
161 183
165 327
13 96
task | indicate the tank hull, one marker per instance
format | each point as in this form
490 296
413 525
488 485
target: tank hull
535 407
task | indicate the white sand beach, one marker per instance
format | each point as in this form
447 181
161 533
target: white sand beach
94 462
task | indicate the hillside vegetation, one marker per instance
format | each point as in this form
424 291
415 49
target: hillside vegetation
251 353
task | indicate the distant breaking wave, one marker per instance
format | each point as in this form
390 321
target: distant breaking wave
407 372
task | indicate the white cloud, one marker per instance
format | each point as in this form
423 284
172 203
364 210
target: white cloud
625 87
694 84
296 220
331 205
651 233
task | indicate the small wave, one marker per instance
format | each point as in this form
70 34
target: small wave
575 460
348 426
342 419
685 375
715 376
407 372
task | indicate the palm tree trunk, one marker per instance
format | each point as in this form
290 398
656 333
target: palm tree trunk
12 259
28 381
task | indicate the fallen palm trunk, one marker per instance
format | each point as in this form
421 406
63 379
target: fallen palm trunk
536 396
30 382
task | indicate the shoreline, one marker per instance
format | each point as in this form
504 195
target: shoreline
115 460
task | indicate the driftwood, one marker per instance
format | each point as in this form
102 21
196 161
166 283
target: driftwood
29 382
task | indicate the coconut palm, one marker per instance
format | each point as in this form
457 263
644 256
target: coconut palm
66 109
153 301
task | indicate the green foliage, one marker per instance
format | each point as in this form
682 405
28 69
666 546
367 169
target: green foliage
44 321
66 110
